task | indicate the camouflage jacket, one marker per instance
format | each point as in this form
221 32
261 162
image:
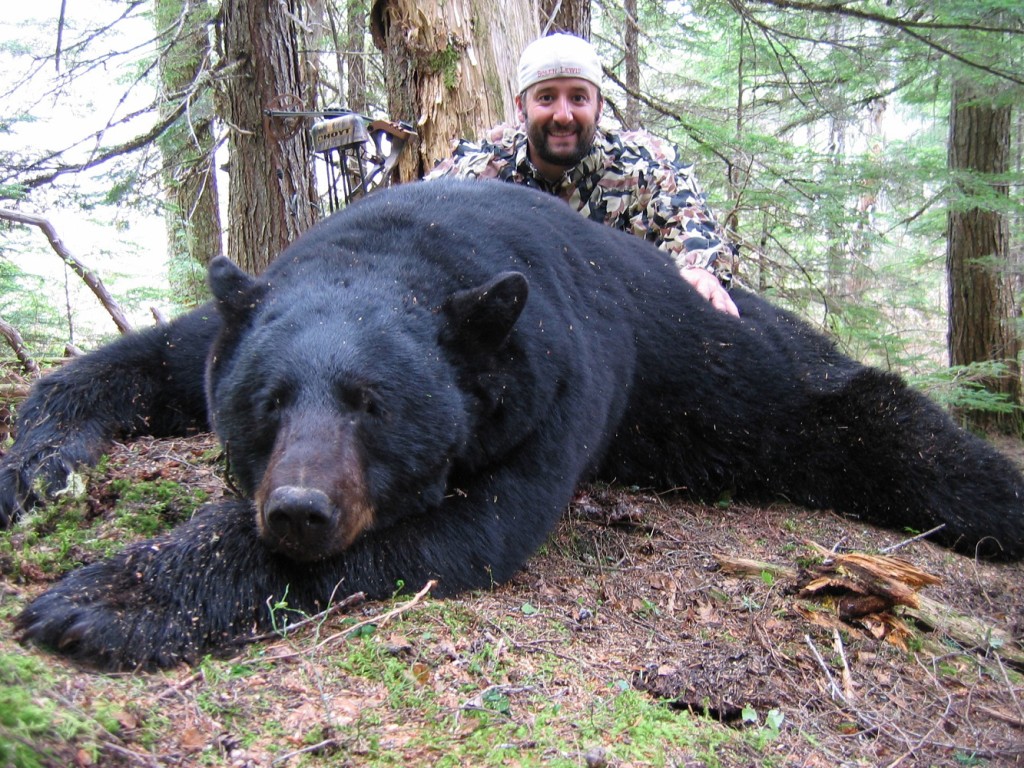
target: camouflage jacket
630 181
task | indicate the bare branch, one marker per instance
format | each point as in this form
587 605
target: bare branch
49 166
667 111
847 9
60 34
17 344
88 277
117 150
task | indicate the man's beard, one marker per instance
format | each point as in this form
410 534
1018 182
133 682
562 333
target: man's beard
538 136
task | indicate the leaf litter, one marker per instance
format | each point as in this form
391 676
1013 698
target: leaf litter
632 595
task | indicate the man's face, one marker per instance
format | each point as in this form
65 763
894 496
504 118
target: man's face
561 119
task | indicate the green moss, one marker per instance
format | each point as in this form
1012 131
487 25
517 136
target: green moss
446 63
32 718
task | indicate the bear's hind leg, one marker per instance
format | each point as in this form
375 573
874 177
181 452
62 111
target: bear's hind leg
877 449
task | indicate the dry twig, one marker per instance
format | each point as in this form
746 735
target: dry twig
378 621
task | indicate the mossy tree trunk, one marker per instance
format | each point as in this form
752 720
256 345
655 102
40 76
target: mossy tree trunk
450 69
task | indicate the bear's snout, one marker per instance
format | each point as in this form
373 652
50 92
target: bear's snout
313 501
302 516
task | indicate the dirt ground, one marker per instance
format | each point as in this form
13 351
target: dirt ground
634 584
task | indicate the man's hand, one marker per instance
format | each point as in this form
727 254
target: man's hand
710 288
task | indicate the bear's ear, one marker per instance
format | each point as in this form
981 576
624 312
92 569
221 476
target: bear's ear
482 317
234 290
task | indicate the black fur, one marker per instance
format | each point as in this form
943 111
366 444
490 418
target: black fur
415 388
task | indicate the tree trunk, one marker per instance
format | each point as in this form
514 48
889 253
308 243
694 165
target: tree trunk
838 270
981 308
450 69
565 16
28 364
1017 220
737 166
189 176
631 38
271 194
355 56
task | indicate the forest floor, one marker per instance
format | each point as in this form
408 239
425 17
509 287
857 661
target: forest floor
629 640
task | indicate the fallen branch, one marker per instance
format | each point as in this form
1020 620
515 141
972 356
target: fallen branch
88 277
834 690
179 686
999 714
354 599
312 749
872 578
383 619
967 630
754 569
16 343
837 646
14 391
911 540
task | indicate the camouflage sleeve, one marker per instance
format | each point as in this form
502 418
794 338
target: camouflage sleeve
477 160
671 211
468 161
684 226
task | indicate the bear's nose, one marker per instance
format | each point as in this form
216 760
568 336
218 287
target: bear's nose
299 516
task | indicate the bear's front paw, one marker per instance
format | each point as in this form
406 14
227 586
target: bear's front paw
93 621
27 482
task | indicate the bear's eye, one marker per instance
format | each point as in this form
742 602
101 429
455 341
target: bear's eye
274 401
361 400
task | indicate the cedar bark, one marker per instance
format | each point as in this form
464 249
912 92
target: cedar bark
631 40
355 56
571 16
271 196
981 306
450 69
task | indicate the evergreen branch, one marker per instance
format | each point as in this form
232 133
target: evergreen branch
860 103
664 109
844 9
963 59
908 27
696 135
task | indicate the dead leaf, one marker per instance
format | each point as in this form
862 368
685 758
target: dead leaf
421 673
127 720
191 740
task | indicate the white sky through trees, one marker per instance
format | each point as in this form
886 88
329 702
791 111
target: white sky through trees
80 106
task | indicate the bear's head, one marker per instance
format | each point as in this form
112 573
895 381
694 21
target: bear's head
342 400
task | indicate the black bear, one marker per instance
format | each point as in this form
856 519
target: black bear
414 389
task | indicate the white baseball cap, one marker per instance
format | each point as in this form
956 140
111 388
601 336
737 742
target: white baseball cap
558 55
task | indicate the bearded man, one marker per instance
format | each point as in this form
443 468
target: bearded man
629 180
